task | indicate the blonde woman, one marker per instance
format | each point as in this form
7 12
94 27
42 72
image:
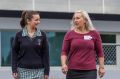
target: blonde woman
80 46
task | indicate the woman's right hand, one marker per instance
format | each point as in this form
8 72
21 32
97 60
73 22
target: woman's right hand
15 75
64 68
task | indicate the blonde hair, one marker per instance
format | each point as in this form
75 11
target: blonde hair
89 24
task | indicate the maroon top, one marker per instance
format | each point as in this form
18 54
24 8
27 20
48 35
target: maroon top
82 49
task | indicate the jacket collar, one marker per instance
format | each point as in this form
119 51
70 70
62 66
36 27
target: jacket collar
25 32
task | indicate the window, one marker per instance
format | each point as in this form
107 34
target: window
55 42
5 47
108 38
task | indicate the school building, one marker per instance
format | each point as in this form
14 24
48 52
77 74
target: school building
56 18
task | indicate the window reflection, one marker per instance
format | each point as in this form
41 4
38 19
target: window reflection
6 38
55 42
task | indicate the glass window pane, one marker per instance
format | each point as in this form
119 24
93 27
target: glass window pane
5 47
55 42
107 38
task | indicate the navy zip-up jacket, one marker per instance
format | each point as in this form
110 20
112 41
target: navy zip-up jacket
31 53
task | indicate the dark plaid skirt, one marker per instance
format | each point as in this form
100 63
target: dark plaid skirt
30 73
81 74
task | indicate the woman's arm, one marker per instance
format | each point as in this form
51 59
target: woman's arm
63 63
65 52
101 62
45 49
15 50
100 54
101 70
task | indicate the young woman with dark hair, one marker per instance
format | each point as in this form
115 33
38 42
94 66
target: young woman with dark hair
30 50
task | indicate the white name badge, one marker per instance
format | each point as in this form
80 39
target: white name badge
87 37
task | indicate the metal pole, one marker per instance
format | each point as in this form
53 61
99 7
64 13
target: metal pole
103 6
69 5
33 4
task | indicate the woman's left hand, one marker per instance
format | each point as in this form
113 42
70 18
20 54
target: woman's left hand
46 77
101 72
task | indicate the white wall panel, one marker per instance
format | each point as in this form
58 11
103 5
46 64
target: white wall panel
92 6
16 4
112 6
52 5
